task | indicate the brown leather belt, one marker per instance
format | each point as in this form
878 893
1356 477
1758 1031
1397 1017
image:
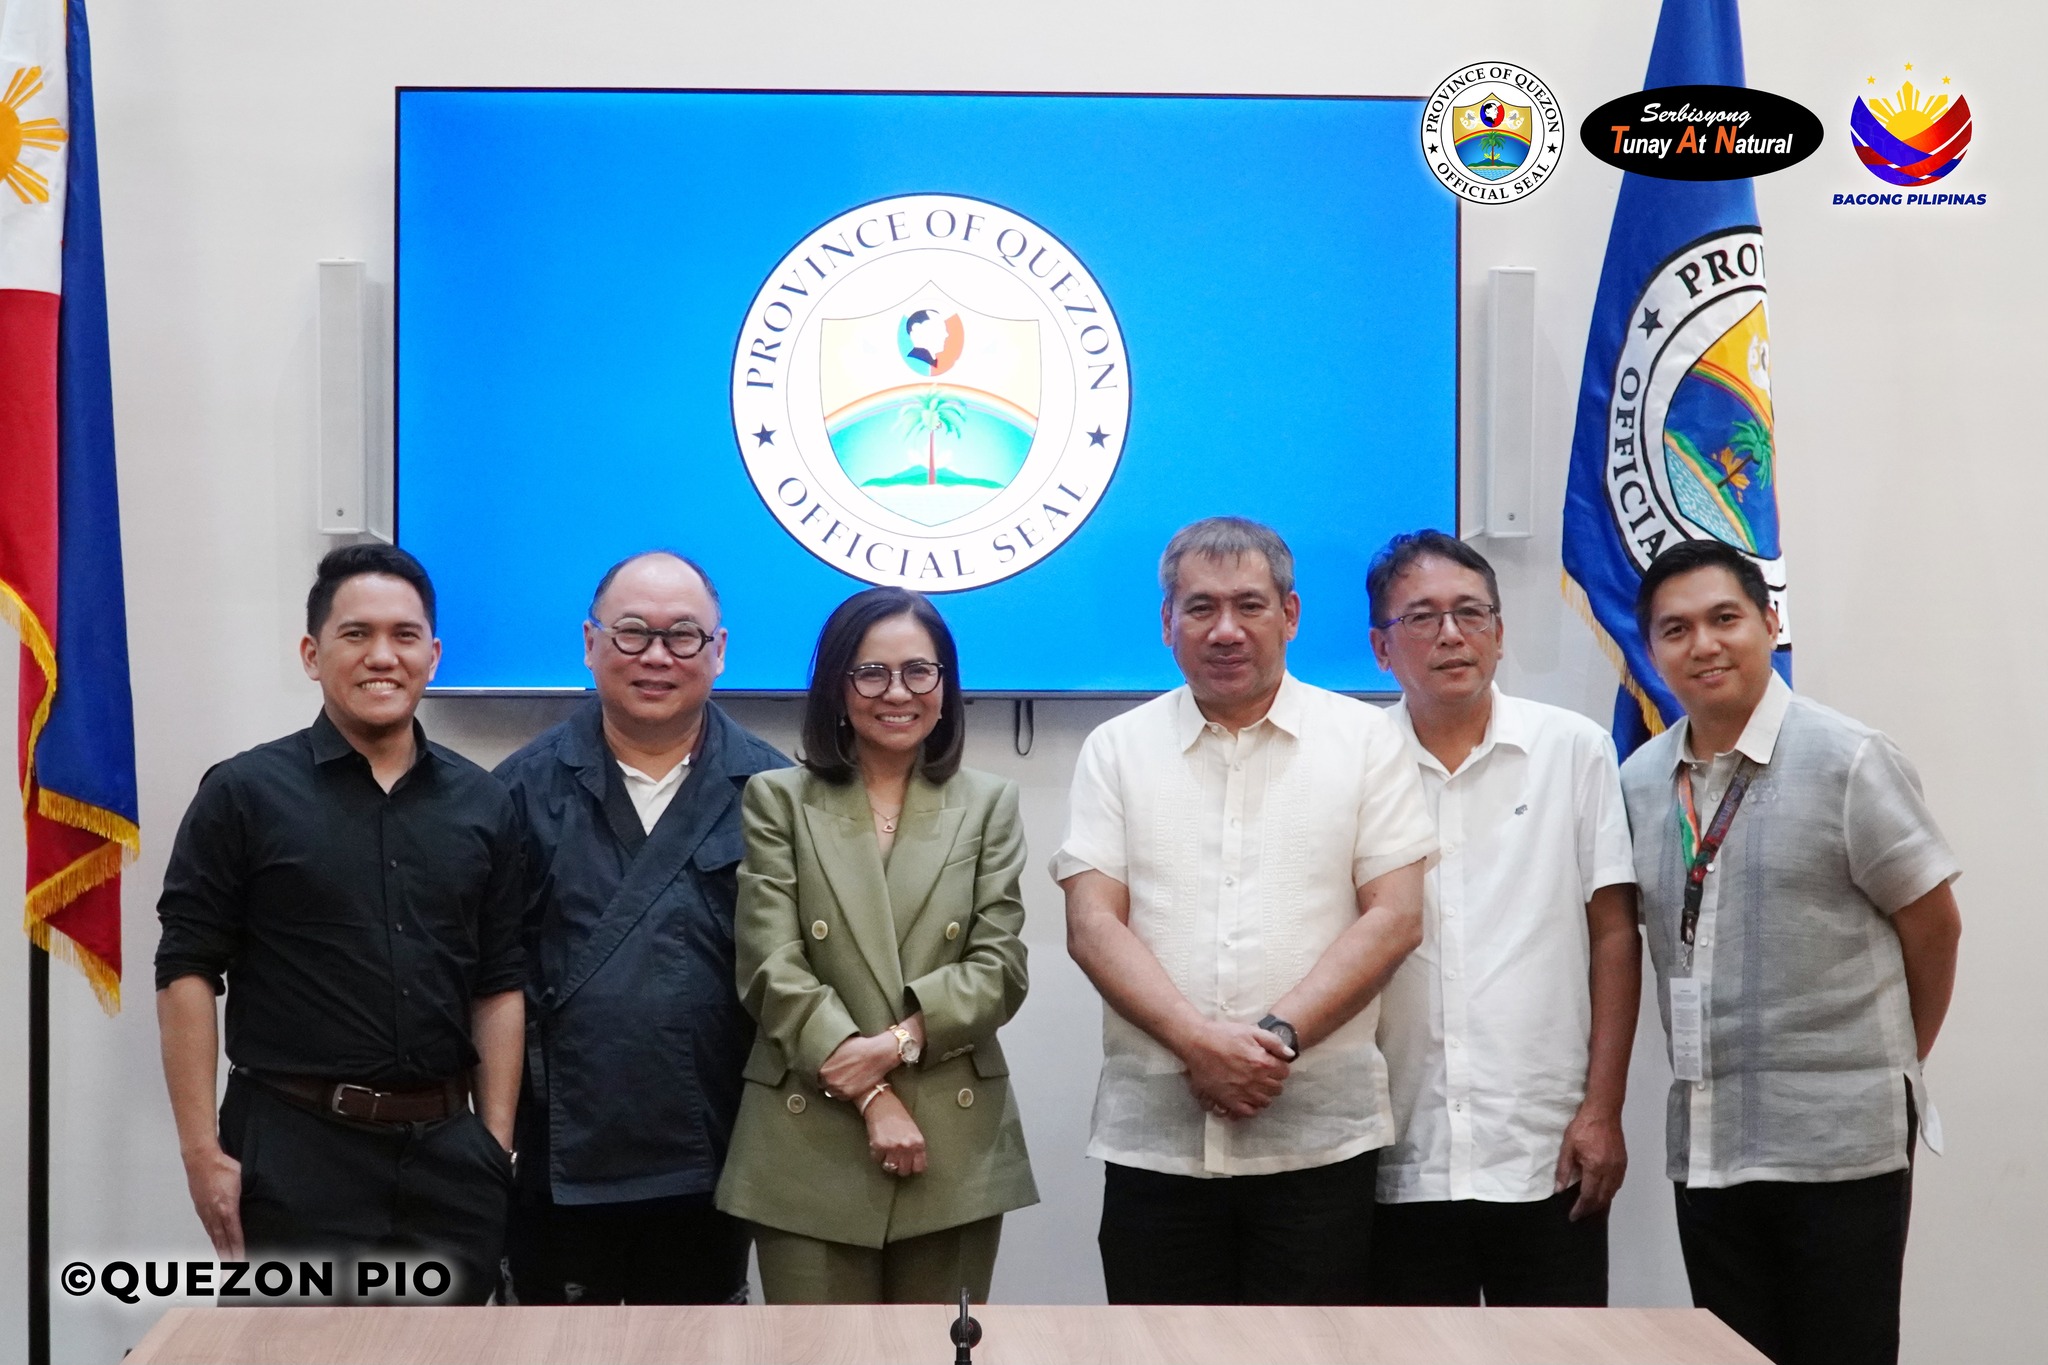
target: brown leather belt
367 1104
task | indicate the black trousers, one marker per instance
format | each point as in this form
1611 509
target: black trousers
1807 1272
1451 1252
1299 1237
678 1250
318 1188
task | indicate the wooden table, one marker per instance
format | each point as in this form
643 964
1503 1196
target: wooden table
873 1335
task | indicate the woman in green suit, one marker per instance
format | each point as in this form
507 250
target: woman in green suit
878 1144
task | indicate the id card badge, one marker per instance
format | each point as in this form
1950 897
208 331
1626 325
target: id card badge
1687 1043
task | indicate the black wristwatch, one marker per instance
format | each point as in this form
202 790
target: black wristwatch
1282 1030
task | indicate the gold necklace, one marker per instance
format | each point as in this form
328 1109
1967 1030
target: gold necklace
888 821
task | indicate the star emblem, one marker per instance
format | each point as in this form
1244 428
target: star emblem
1097 436
764 437
1432 149
1649 323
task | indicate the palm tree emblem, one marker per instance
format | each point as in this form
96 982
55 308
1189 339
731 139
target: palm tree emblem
1749 450
930 413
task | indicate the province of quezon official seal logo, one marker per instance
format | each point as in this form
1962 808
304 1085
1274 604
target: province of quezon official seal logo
1691 435
1492 132
930 392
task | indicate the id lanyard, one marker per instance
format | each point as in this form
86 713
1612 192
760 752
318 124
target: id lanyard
1700 849
1688 1021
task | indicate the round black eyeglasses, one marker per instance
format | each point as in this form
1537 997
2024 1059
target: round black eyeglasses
683 641
919 677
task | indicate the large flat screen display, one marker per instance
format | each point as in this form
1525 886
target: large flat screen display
993 347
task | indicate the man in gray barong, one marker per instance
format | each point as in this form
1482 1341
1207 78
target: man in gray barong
1795 896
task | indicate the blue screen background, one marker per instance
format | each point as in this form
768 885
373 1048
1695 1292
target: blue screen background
574 267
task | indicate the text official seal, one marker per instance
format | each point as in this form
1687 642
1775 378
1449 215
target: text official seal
931 392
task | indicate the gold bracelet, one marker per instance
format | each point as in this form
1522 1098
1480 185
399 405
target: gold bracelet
869 1098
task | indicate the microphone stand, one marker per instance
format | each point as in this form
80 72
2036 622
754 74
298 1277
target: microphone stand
966 1333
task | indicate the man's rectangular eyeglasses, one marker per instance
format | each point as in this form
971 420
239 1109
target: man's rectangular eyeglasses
685 640
872 680
1474 618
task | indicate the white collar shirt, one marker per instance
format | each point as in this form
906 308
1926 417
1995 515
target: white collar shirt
1486 1026
651 795
1243 854
1712 773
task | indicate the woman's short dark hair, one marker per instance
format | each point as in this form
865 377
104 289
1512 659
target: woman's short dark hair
827 750
338 566
1688 556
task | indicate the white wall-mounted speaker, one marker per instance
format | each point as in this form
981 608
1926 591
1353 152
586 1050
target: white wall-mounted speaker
344 482
1509 416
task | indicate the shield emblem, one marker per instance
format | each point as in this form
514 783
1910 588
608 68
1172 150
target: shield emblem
1718 440
931 407
1492 136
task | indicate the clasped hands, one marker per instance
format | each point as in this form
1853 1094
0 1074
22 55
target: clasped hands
1235 1070
852 1072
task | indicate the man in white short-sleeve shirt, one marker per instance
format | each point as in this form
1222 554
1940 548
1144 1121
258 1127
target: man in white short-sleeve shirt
1507 1034
1243 868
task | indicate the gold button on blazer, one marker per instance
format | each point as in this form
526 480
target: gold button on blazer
939 929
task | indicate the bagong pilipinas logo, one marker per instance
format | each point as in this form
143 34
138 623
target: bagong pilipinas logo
1914 138
1691 444
1492 132
930 391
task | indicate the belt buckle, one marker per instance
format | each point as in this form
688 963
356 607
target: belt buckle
334 1101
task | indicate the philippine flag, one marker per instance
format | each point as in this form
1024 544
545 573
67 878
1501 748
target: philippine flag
60 525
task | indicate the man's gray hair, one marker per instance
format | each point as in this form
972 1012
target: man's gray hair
1227 538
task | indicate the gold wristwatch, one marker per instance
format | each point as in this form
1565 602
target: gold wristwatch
906 1045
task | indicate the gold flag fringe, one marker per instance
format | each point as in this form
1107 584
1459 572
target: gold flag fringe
103 864
69 810
1576 595
53 894
104 980
16 613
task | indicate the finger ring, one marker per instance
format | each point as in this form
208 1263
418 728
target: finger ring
889 1166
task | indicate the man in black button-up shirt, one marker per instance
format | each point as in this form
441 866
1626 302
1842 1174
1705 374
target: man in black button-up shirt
360 891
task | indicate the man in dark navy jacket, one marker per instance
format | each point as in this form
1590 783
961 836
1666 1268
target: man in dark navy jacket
635 1035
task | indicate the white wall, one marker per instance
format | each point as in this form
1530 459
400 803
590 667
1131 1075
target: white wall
243 139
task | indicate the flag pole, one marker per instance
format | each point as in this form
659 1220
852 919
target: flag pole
38 1156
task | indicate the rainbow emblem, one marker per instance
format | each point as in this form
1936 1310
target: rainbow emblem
1492 136
1914 138
930 451
1719 449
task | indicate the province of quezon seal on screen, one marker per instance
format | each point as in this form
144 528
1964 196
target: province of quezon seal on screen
931 392
1492 132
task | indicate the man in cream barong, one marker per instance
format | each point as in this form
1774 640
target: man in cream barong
1243 870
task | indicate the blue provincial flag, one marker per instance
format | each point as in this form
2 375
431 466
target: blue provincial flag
1676 437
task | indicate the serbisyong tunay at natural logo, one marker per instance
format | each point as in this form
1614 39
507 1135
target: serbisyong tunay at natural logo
931 391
